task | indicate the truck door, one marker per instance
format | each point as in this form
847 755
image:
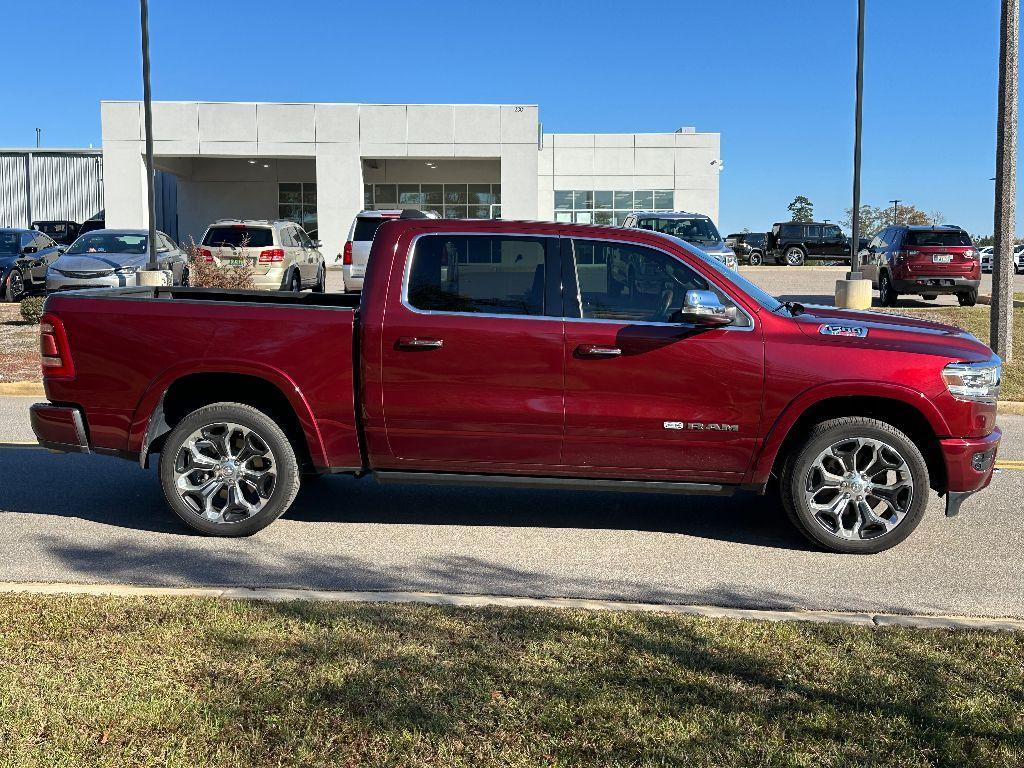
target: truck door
471 355
646 393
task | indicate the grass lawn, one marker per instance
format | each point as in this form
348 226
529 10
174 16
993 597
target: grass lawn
975 320
19 346
196 682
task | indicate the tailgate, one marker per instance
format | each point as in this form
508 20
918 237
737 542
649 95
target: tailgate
940 260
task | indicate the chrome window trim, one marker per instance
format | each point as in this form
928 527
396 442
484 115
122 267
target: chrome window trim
579 296
561 317
442 313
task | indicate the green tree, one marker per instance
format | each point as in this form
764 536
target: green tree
875 218
801 209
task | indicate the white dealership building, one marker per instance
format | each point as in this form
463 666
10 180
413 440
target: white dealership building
319 164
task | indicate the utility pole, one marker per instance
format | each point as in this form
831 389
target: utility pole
895 210
147 97
1001 317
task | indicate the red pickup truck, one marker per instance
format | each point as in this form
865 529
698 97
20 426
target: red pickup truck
526 354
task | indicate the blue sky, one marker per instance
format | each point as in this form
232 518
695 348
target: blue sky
774 78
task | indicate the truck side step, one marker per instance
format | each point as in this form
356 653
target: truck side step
386 477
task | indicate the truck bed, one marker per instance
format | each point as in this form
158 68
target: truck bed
130 346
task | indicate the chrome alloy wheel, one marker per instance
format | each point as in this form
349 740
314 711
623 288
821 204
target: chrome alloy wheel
859 488
225 472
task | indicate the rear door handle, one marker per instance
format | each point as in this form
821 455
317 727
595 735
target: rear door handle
415 343
596 350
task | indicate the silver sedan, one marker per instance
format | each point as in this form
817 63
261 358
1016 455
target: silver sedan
109 258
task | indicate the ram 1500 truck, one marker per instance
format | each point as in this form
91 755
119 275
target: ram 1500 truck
526 354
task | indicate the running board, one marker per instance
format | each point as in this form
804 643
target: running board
551 483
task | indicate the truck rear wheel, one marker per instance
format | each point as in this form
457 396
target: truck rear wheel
857 486
228 470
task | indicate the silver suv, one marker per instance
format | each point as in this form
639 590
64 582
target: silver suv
695 228
360 237
280 254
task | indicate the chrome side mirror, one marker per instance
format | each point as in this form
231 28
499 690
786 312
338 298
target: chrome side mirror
705 308
317 244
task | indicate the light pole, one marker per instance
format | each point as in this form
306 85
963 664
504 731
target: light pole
854 292
895 210
1001 316
147 99
39 137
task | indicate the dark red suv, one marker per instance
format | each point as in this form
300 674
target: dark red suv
923 260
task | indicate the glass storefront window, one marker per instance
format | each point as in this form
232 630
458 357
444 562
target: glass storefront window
479 212
563 200
455 194
603 217
663 199
643 200
384 195
433 194
623 201
603 200
409 194
289 193
297 202
455 211
583 199
480 194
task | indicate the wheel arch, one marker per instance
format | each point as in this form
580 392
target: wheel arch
174 395
902 408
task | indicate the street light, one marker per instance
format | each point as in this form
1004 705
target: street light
895 209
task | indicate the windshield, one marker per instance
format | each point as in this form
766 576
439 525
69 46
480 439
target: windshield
239 236
939 237
9 242
109 242
694 230
762 297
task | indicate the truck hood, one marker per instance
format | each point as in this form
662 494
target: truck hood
890 331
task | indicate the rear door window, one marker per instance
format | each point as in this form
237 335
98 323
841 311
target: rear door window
238 236
937 237
478 274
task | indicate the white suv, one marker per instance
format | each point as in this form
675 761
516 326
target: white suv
280 253
360 237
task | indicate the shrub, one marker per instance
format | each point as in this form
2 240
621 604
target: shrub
203 274
32 308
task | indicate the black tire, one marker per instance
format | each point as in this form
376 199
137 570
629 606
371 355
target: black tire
887 296
755 259
930 296
797 475
295 282
795 256
968 299
321 280
278 497
14 288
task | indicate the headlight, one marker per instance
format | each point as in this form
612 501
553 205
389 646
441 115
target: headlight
977 382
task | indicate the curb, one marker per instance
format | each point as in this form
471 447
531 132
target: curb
25 388
853 618
986 298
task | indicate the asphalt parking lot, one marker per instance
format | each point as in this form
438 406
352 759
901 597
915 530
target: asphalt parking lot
814 284
70 518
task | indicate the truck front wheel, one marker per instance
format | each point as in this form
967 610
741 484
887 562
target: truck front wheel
858 485
228 470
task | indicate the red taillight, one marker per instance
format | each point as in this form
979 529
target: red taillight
271 255
54 350
346 255
207 255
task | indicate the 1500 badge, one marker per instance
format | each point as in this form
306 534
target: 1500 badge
700 425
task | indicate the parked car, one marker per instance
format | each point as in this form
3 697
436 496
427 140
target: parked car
24 256
748 246
280 253
986 253
91 225
695 228
793 242
61 231
356 252
1019 255
923 260
501 353
106 258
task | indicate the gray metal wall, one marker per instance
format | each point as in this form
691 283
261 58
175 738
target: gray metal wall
64 185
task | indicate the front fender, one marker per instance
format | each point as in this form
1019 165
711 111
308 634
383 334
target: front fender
761 470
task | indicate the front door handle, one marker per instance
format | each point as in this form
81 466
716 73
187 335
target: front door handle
596 350
415 343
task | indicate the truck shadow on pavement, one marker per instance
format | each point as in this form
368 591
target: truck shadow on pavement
113 492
